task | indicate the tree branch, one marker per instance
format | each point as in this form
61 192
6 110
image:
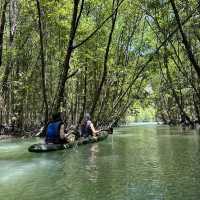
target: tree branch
79 15
98 28
73 74
185 41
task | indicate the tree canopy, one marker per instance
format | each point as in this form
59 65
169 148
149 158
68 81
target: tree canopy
103 57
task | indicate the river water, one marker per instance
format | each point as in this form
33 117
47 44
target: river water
147 162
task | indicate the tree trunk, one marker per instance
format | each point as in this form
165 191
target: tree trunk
185 41
12 26
182 111
84 98
66 64
43 65
104 76
2 25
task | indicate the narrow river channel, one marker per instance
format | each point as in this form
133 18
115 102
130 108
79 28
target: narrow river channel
140 162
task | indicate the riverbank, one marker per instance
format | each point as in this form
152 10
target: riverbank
3 137
19 134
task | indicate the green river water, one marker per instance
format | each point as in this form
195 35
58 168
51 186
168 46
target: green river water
141 162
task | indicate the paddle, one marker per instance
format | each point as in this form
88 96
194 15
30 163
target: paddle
41 131
109 130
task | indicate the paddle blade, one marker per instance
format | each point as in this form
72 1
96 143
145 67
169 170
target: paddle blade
109 130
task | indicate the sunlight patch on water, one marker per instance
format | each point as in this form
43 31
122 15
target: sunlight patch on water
15 170
125 135
11 147
142 123
12 173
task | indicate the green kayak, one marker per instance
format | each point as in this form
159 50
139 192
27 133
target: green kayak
39 148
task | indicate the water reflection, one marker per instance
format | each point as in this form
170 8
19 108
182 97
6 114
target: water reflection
137 163
92 166
179 162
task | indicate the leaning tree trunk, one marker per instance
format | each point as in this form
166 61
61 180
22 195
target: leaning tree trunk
182 111
66 65
59 97
185 40
104 76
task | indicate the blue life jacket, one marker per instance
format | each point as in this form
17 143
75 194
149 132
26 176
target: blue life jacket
85 130
53 133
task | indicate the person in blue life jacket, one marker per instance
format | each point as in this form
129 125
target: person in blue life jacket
55 131
87 127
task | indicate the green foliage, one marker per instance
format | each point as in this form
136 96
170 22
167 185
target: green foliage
140 28
142 115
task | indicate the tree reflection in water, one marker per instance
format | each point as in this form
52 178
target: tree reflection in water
92 166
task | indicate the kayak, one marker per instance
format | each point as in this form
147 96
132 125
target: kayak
42 147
